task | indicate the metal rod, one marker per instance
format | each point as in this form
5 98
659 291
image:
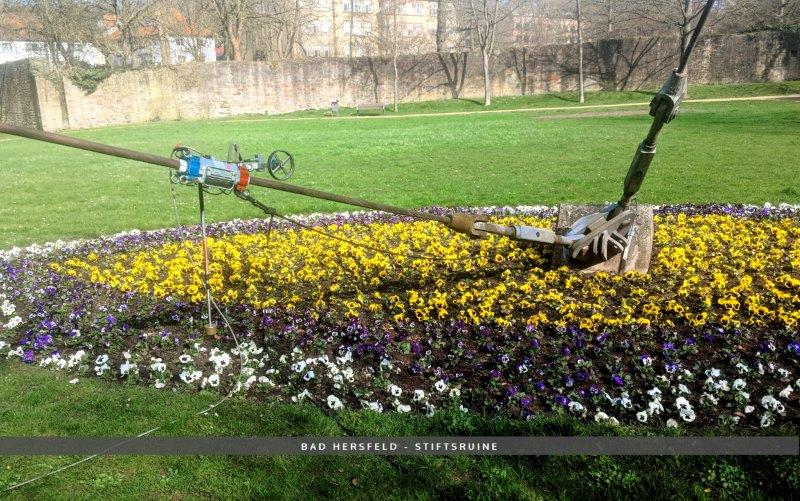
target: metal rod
205 252
695 35
172 163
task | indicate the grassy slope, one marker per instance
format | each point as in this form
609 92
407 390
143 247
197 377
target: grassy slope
35 402
720 152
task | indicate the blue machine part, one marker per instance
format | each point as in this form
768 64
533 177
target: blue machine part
210 172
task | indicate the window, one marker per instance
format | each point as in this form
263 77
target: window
418 10
7 47
433 8
346 6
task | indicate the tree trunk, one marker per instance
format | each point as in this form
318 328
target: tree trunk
441 27
487 79
580 50
396 79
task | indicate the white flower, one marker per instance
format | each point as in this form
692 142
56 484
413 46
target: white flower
403 407
712 372
302 396
655 407
600 416
159 384
430 409
687 415
748 409
213 380
158 366
187 377
419 396
299 366
683 389
671 423
101 360
440 385
641 416
100 369
655 392
395 390
783 373
185 358
13 322
742 368
308 376
575 407
455 392
682 403
462 409
766 421
334 403
739 384
73 381
785 392
126 367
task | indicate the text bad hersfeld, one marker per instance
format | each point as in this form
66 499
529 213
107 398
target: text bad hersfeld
392 446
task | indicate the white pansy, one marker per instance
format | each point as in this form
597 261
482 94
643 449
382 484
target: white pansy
395 390
785 392
713 373
334 402
101 369
440 385
455 392
126 367
308 376
739 384
600 416
671 423
641 416
575 407
766 421
419 396
73 381
101 359
213 380
185 358
748 409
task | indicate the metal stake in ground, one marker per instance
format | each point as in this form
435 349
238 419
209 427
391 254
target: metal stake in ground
210 328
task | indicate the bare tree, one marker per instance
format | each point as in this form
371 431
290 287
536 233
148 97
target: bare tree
487 17
451 47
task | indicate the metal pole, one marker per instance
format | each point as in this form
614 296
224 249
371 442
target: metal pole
172 163
210 328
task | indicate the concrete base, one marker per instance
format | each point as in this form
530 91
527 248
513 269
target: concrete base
639 253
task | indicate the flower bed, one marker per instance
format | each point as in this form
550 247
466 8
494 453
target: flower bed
709 336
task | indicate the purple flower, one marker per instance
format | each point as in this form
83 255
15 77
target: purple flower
494 373
565 351
568 381
28 357
689 341
794 347
540 385
602 338
511 391
594 390
617 380
111 320
669 346
670 367
583 374
535 343
562 400
525 401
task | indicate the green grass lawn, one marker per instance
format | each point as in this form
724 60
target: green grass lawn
714 152
35 402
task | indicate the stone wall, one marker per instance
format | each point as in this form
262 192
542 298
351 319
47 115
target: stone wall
18 96
222 89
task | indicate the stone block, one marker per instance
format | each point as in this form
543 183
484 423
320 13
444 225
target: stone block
639 254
